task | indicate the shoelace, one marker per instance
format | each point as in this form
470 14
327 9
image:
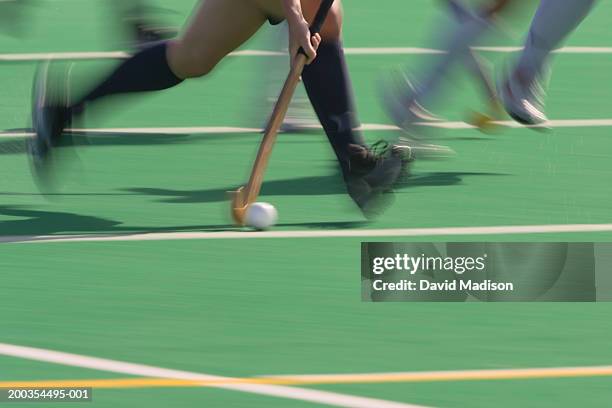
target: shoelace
379 148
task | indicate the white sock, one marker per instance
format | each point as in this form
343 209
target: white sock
553 22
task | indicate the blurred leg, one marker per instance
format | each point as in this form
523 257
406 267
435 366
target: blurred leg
329 87
327 81
406 99
522 92
472 25
217 28
368 173
554 21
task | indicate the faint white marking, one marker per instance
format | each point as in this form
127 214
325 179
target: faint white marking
561 123
114 366
345 233
17 57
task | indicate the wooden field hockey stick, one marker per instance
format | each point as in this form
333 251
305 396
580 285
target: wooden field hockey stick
484 121
247 195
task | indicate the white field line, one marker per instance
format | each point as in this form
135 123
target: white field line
346 233
88 55
11 134
94 363
561 123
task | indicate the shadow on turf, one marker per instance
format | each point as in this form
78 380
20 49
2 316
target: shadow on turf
99 139
303 186
36 222
444 178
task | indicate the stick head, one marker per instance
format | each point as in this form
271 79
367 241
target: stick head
483 122
239 205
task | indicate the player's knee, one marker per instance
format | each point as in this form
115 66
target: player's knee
189 61
198 67
332 28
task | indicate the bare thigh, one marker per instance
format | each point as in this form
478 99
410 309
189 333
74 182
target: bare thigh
217 28
331 30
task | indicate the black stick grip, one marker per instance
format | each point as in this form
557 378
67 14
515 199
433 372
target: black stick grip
319 19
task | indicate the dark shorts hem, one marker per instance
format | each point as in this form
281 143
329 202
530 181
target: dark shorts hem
275 20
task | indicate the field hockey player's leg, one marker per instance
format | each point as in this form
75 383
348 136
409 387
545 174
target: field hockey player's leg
404 98
142 22
368 172
206 41
522 89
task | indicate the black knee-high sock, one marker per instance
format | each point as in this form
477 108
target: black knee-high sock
147 70
329 88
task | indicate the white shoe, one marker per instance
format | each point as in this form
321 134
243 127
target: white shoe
523 99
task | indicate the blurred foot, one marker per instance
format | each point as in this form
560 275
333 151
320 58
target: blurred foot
145 33
398 96
523 98
50 116
374 172
144 27
425 151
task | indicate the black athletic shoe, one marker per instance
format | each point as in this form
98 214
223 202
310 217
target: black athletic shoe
374 172
50 116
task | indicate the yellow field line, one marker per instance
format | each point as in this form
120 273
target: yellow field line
427 376
463 375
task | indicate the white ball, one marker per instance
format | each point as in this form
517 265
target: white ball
261 216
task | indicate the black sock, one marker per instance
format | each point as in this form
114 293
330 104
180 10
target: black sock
147 70
329 88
